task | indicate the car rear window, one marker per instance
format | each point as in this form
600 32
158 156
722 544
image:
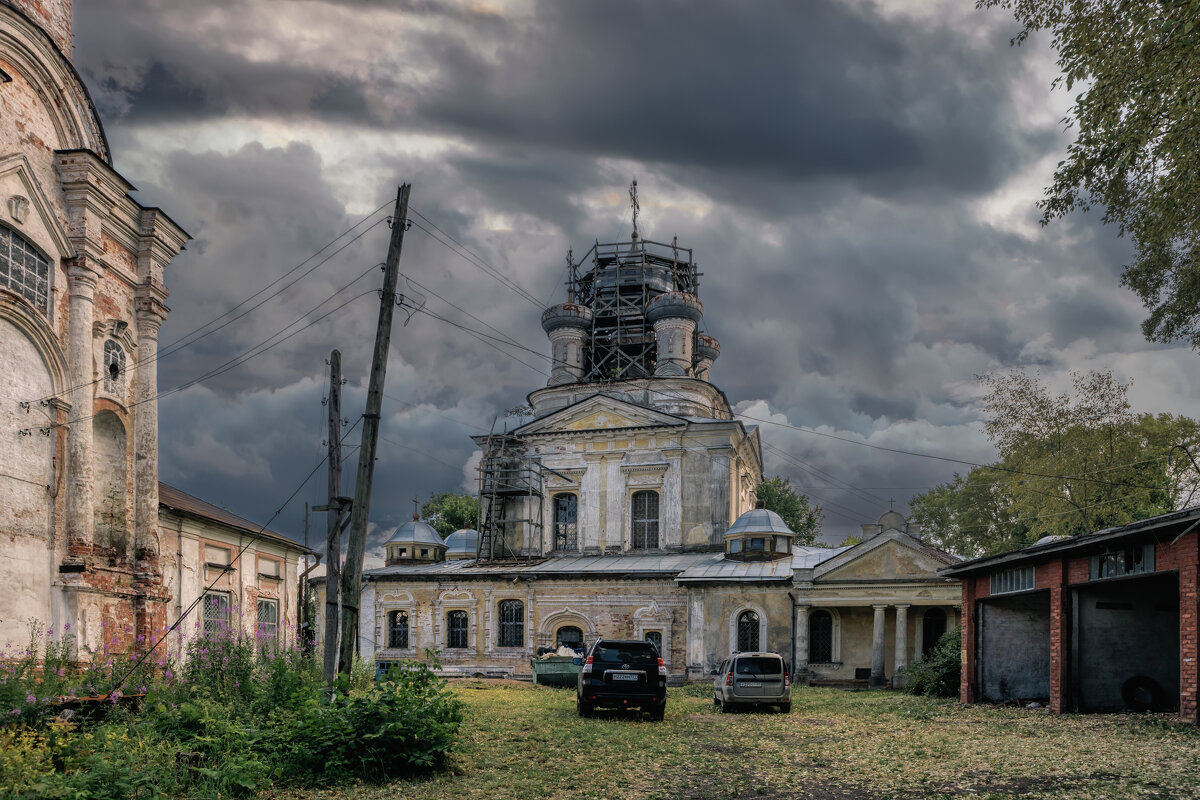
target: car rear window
759 665
633 655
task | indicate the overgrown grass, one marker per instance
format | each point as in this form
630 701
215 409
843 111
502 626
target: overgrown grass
522 741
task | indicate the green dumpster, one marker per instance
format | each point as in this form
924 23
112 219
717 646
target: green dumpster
556 670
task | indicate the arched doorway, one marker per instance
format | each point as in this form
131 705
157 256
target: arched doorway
569 636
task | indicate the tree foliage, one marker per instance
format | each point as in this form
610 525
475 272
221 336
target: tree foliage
800 515
1136 154
1069 464
448 512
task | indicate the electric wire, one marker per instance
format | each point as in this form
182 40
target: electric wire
200 597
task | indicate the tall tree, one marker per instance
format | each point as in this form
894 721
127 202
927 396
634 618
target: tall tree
800 515
1069 464
1136 152
448 512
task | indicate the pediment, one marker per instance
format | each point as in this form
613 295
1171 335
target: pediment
599 412
25 208
892 556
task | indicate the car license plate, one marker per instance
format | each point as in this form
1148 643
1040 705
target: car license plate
624 676
751 684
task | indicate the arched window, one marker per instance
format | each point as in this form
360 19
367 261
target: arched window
570 636
747 632
114 368
820 637
566 522
933 625
24 270
512 623
456 629
398 629
645 521
655 638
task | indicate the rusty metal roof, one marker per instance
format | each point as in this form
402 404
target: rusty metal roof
176 500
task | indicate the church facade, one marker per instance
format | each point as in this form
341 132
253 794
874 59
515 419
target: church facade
82 298
626 509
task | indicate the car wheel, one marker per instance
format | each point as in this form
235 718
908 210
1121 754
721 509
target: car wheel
657 712
786 708
726 708
583 707
716 700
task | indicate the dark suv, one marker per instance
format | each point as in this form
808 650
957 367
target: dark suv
621 673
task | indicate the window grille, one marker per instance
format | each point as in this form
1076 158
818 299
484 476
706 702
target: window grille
24 270
398 629
216 613
114 368
268 625
512 623
747 632
645 521
456 629
1133 560
655 638
1012 580
820 637
566 522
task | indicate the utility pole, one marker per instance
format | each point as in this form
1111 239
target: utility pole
333 521
352 576
302 609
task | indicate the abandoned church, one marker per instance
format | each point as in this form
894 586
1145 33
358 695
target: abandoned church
626 508
93 544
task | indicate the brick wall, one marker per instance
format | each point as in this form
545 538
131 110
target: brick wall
52 16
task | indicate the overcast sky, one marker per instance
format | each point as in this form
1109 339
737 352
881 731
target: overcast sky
857 180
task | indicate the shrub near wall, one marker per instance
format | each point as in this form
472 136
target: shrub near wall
938 673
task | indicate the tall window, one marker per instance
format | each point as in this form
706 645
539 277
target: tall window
747 632
570 636
24 270
512 623
820 637
216 613
456 630
566 518
645 521
933 625
655 638
268 625
398 629
114 368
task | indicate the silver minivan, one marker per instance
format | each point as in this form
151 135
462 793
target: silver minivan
746 679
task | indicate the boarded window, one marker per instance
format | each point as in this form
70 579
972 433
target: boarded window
216 613
512 623
1012 580
566 522
645 521
456 629
747 631
820 637
24 270
398 629
218 556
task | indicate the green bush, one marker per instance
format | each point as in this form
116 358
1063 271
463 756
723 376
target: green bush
938 673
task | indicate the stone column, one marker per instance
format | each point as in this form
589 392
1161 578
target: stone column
877 674
150 315
899 674
81 291
801 665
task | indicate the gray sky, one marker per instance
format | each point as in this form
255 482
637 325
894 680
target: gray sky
857 180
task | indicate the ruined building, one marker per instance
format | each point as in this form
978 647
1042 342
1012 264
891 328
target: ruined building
626 508
82 297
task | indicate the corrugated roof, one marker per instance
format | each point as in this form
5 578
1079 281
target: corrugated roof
184 503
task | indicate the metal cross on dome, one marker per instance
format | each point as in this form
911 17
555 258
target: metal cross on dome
633 203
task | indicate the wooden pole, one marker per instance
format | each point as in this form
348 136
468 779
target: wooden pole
333 527
352 577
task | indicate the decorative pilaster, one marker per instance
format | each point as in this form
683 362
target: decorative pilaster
801 665
150 315
877 675
899 674
81 291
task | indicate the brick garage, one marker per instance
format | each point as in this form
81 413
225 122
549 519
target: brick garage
1101 622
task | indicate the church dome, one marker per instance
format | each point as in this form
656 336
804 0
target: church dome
759 520
463 543
417 532
892 520
414 542
758 535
